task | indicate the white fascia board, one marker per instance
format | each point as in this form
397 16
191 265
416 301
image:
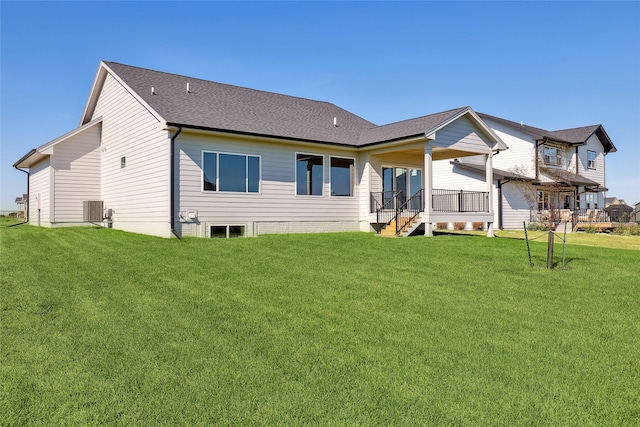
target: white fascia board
476 120
103 70
47 148
98 81
479 122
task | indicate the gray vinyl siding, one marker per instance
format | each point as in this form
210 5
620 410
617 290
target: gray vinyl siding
515 207
276 208
597 174
447 177
40 193
76 169
462 135
521 152
139 193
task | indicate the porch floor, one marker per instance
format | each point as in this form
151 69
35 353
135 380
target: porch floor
600 226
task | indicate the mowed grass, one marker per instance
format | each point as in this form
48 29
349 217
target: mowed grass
105 327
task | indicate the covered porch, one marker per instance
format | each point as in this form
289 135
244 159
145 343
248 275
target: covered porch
402 197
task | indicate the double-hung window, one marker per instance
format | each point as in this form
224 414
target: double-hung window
591 159
237 173
551 155
309 174
543 200
342 177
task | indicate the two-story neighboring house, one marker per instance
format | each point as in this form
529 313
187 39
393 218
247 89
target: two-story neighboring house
560 172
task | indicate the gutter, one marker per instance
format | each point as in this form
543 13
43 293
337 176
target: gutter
172 184
26 219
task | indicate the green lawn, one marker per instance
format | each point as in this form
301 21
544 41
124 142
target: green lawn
104 327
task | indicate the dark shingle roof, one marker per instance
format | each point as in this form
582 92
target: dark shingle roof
572 136
217 106
497 173
569 178
576 135
406 128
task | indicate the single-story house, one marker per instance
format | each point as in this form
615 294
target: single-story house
169 155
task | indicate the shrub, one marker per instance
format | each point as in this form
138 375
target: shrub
537 226
626 230
441 226
478 226
590 229
459 225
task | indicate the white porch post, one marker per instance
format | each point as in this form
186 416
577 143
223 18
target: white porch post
428 189
489 179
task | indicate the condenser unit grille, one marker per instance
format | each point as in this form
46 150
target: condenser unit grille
92 210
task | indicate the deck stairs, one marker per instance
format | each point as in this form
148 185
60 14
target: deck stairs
389 230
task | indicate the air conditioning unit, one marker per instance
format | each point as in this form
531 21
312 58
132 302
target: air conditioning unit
92 210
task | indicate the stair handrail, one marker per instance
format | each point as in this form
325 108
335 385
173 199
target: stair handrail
412 207
385 209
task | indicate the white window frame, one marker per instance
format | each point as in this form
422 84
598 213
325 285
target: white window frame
354 186
591 163
246 178
295 174
552 160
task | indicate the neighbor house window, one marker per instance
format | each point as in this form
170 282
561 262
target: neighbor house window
342 177
591 159
309 174
551 155
543 200
237 173
592 200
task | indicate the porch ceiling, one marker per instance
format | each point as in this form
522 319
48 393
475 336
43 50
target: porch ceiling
438 153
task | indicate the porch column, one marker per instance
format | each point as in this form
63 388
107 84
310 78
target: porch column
428 189
489 179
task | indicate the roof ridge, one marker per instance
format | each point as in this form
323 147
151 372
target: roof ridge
579 127
423 116
521 124
227 84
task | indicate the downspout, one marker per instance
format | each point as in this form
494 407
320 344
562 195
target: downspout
500 208
537 159
173 180
27 209
500 227
500 205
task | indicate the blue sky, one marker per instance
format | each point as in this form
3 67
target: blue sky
552 65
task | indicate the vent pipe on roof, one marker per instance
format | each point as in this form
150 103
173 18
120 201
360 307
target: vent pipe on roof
153 90
521 123
188 88
335 122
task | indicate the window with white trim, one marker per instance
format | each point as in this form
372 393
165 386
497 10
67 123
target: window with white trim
544 201
592 200
227 172
342 176
591 159
309 174
551 155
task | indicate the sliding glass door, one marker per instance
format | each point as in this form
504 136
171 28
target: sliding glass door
401 181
